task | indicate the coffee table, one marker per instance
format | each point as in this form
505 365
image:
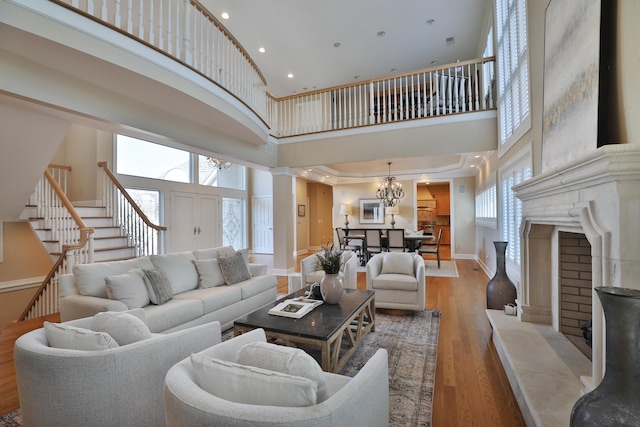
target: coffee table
336 329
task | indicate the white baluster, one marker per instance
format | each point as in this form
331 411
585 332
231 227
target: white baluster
130 16
151 25
187 56
104 15
118 14
141 19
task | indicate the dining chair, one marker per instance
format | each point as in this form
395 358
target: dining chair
372 242
395 240
349 245
425 249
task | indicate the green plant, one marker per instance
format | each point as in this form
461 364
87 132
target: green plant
329 259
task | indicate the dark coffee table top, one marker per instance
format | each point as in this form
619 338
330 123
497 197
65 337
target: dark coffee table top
321 323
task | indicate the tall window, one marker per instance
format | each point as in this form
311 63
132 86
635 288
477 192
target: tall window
513 70
209 174
516 172
233 222
487 205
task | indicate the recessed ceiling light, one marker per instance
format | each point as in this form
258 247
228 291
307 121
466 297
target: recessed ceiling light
224 15
477 156
261 50
337 44
310 170
290 75
431 21
380 34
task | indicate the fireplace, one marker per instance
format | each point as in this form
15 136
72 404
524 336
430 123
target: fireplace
594 203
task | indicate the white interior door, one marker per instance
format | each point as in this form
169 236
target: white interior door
263 225
209 227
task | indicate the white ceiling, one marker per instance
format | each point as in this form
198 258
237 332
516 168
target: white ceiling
299 38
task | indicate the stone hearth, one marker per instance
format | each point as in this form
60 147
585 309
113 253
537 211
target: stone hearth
597 196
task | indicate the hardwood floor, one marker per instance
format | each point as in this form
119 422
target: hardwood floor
471 386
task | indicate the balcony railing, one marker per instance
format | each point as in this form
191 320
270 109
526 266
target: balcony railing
187 32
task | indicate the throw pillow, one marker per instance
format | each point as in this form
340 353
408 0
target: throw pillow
247 384
180 270
158 286
397 263
286 360
123 327
60 335
209 273
234 268
128 288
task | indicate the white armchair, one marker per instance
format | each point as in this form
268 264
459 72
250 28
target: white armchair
349 271
398 280
119 386
359 401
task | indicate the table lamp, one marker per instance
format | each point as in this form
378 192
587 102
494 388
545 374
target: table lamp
393 211
346 211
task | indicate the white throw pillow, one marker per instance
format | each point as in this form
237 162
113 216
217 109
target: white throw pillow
209 273
60 335
247 384
397 263
128 288
286 360
179 269
124 327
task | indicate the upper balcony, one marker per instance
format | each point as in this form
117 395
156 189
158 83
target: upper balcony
185 32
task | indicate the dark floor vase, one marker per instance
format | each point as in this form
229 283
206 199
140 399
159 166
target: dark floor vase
616 401
500 290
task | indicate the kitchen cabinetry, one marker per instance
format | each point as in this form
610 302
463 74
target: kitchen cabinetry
443 205
446 234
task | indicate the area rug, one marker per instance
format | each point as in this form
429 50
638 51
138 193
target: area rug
12 419
411 341
447 268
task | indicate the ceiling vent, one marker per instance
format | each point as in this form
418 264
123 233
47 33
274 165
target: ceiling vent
451 40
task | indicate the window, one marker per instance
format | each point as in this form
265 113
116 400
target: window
513 71
148 201
148 160
233 222
514 173
487 206
209 174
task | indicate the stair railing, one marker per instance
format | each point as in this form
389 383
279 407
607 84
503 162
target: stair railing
146 237
76 240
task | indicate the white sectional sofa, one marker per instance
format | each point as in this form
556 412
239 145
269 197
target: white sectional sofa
199 293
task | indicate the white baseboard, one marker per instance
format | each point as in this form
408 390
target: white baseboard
20 284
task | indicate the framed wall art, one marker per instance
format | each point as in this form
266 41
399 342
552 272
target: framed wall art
301 210
371 211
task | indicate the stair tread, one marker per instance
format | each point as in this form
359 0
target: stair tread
115 259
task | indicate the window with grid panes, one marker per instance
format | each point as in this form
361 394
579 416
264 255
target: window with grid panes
486 206
513 70
511 206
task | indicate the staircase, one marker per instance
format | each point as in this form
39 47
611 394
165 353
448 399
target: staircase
110 242
84 234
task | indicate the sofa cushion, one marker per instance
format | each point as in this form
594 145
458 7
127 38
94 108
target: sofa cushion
397 282
397 263
173 313
179 269
90 278
250 385
286 360
234 268
60 335
158 286
124 327
214 299
128 288
209 273
256 285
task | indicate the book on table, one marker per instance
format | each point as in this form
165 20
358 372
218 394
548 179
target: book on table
295 308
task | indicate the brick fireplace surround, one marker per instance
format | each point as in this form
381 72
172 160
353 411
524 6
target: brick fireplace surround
597 196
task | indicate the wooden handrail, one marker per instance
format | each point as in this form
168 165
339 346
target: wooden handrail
105 166
43 286
67 204
54 166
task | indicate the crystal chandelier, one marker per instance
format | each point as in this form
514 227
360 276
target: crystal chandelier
217 163
390 192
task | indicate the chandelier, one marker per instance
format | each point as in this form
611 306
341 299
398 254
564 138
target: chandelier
390 191
217 163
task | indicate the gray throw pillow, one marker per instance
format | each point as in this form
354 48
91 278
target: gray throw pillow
158 286
234 268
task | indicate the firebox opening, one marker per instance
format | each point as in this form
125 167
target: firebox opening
576 290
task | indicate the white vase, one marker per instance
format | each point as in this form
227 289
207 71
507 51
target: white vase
331 288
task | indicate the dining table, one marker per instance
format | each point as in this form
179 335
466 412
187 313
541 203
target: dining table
412 242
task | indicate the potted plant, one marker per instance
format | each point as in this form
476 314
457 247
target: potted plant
330 261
